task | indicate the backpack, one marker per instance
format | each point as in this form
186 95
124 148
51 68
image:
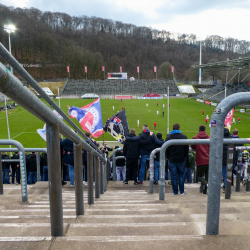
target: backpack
191 159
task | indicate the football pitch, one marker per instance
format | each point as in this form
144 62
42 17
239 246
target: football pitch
186 112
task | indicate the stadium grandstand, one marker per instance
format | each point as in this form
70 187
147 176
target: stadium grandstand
221 91
110 88
218 92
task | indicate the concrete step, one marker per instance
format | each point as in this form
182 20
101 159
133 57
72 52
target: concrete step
159 228
156 242
154 218
27 229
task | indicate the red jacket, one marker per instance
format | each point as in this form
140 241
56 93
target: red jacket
202 151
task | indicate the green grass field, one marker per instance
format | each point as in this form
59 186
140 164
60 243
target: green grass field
187 112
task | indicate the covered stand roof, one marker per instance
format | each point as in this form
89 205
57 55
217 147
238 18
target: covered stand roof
236 64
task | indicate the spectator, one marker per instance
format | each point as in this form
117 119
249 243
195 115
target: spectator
202 157
147 144
227 135
32 168
15 169
132 152
44 166
157 160
68 158
120 166
176 155
106 149
5 168
235 159
190 166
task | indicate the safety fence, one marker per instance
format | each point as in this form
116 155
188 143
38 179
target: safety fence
14 89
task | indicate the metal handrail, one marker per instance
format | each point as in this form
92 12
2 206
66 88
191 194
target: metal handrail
22 72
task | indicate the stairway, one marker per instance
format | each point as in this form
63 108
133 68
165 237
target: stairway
125 217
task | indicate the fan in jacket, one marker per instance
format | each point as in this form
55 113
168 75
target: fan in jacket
202 157
176 155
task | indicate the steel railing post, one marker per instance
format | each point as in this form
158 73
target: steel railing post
101 178
230 156
23 176
55 179
90 178
1 175
78 172
238 173
105 182
105 176
151 168
215 158
38 166
97 177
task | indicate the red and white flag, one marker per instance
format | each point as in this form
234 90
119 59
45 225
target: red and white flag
155 68
120 69
172 69
86 69
103 68
67 69
137 69
228 120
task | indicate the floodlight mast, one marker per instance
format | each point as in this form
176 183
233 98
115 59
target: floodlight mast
9 29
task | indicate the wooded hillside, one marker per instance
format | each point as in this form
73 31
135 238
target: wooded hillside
58 38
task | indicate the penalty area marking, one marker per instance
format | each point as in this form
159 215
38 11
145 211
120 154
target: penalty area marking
24 133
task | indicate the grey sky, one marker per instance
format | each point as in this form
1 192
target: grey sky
201 17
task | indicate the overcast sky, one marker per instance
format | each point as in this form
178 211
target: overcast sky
226 18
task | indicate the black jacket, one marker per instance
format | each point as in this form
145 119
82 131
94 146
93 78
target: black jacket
43 160
68 156
5 165
14 164
176 153
120 162
158 145
227 135
131 149
146 142
236 152
31 163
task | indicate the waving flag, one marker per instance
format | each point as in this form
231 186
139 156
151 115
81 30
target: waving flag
228 120
89 116
42 132
117 126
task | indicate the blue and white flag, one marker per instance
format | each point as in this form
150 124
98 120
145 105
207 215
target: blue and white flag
89 116
42 132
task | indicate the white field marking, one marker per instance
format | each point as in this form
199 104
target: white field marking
27 224
131 238
24 133
12 114
25 238
130 224
34 216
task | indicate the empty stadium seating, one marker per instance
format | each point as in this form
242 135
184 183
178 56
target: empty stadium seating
109 88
